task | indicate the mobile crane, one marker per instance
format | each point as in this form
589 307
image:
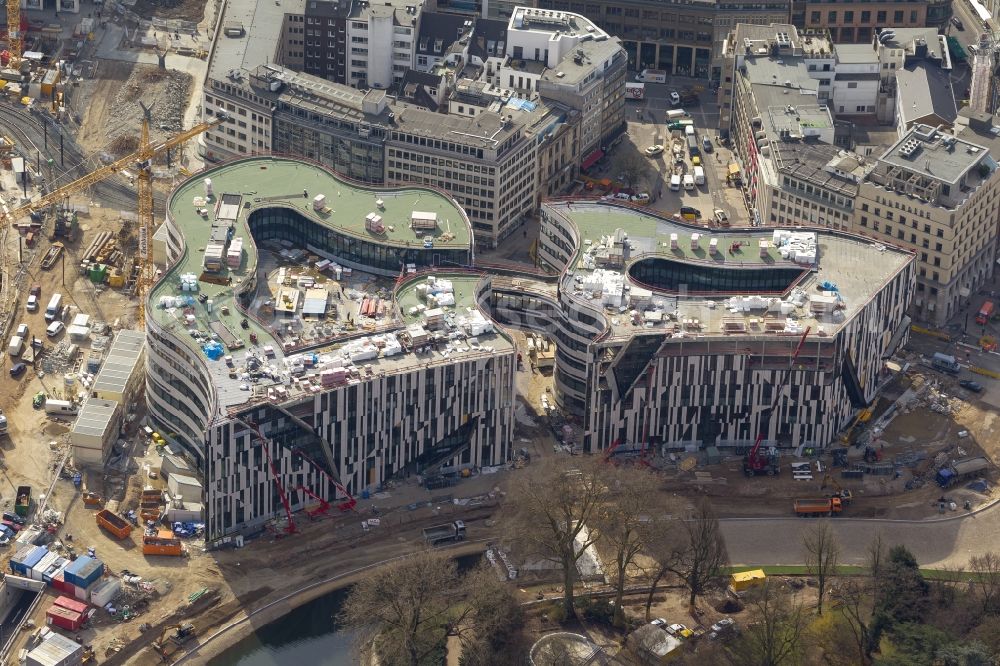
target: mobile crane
265 445
319 511
142 160
349 502
766 462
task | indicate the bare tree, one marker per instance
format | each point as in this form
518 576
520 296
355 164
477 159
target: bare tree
700 552
854 606
554 513
631 168
877 554
404 611
821 551
491 634
774 638
621 522
659 536
986 580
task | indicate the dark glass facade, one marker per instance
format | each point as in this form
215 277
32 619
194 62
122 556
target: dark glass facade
285 224
667 275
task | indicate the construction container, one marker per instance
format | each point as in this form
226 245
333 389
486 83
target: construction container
118 526
23 566
185 486
64 618
42 564
55 650
81 593
104 592
72 604
746 579
54 569
84 571
59 582
16 561
154 545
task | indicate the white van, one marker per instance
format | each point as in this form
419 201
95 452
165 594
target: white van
676 114
54 329
699 175
60 407
689 130
675 182
16 346
688 181
32 304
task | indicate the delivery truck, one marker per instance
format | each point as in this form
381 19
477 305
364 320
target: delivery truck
652 76
635 90
826 506
946 363
445 533
985 313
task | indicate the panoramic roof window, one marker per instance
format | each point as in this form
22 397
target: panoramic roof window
668 275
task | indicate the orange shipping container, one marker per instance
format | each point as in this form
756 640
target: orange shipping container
152 545
117 525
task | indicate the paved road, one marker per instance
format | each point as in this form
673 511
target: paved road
942 544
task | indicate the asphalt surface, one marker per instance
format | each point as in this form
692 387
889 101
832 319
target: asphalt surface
943 543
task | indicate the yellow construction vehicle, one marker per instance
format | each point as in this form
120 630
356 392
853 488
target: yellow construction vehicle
142 161
863 416
182 633
845 495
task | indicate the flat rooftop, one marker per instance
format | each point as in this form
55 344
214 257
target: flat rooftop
858 268
939 156
261 22
258 183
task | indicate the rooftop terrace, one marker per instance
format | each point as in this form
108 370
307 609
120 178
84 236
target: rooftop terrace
789 297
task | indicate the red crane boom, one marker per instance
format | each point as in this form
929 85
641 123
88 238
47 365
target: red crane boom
323 507
265 445
349 503
755 462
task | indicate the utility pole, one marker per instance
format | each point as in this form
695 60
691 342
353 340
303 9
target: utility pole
62 156
45 134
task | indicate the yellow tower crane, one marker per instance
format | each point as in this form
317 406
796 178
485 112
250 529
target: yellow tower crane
14 32
142 160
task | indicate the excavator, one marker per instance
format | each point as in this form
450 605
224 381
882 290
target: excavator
845 495
182 633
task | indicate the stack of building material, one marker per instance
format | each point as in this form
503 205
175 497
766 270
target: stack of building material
234 257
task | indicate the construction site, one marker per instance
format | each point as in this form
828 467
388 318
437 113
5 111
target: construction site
104 537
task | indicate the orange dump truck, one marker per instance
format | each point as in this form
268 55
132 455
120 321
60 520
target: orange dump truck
118 526
159 545
828 506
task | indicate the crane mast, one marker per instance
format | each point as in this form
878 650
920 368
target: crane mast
14 39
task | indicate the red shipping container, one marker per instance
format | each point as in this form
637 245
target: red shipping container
65 618
71 604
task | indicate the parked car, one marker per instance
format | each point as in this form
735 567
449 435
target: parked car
675 98
706 144
679 631
14 518
54 329
36 290
957 22
653 151
721 628
659 622
970 385
22 331
18 369
642 198
721 217
32 304
12 525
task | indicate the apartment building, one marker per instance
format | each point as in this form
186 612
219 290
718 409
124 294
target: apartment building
489 164
320 39
796 169
565 57
937 194
381 40
850 24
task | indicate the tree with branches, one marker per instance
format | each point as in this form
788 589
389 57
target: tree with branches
621 521
631 168
554 515
698 555
821 552
775 637
986 580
